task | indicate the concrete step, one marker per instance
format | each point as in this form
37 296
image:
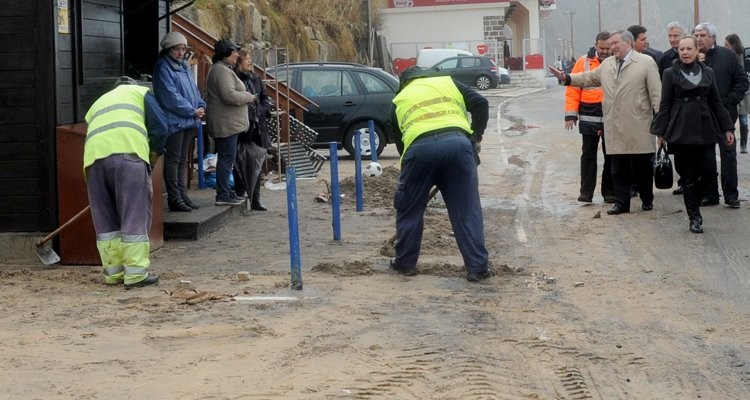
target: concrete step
199 223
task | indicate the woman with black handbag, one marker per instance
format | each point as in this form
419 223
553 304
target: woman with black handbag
691 120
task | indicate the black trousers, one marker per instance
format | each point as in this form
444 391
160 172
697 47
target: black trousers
589 153
696 165
729 180
628 169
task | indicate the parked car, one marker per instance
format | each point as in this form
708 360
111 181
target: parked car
346 96
478 71
429 57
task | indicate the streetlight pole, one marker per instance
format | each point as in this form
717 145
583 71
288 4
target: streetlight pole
599 11
696 12
572 41
369 32
639 13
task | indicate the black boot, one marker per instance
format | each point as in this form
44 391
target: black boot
256 204
178 205
692 205
189 203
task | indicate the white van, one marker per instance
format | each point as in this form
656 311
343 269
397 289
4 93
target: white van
426 58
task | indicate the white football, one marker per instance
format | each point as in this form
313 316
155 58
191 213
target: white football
372 169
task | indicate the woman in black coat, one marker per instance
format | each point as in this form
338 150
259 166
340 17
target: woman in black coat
691 120
258 111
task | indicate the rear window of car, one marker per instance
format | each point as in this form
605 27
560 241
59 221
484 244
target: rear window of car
373 84
328 83
470 62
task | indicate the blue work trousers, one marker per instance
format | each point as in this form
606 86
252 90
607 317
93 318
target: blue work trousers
445 160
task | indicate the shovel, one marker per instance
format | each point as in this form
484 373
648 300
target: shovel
44 248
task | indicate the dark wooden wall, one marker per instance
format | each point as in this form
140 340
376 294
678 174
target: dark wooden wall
50 78
27 99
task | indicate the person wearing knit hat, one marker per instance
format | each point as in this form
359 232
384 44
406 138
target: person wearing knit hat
182 102
172 39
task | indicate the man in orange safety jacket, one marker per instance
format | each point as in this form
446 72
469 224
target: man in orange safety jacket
584 106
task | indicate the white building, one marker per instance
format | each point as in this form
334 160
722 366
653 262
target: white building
505 30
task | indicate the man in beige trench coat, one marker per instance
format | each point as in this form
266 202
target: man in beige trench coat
632 91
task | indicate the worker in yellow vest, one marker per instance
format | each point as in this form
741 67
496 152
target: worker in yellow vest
439 147
127 131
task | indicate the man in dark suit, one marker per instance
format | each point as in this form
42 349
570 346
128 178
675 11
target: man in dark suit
674 34
641 44
675 31
732 84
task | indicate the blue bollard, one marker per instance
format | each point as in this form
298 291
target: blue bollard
335 197
201 176
373 145
294 254
358 170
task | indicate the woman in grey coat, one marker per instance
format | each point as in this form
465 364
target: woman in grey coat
691 120
226 116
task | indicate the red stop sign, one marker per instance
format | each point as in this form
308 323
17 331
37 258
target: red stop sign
482 48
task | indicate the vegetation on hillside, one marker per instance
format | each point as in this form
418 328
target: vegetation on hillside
341 24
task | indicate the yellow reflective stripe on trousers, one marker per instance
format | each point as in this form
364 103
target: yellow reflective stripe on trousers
134 238
110 252
136 262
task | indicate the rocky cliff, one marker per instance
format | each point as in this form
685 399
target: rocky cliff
312 30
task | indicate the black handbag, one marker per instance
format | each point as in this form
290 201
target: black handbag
663 175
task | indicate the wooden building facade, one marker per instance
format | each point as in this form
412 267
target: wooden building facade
58 57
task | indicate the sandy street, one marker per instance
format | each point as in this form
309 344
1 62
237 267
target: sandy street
582 305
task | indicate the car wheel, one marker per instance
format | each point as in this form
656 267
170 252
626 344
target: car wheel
483 82
364 140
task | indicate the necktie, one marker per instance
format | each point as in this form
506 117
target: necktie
619 66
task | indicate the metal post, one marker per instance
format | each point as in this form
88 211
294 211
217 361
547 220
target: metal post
572 41
358 170
696 12
373 145
639 13
294 253
369 33
335 197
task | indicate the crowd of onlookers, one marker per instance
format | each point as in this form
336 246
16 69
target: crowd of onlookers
237 106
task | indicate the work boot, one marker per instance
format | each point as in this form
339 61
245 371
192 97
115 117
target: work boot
406 271
150 280
478 276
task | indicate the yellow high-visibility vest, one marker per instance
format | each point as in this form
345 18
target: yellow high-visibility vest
117 125
428 104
